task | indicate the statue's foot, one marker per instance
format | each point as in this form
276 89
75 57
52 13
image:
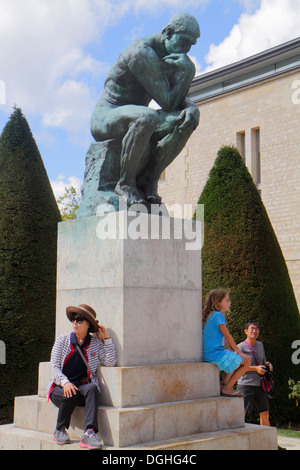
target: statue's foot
131 194
153 199
150 192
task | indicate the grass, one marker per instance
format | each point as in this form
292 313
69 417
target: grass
288 433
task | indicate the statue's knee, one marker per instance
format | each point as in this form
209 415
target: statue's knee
95 129
147 121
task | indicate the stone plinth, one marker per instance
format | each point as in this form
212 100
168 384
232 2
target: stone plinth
135 386
102 172
147 292
144 280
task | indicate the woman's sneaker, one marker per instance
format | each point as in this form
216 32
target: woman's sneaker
89 440
61 436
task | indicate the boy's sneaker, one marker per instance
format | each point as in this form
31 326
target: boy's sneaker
61 436
89 440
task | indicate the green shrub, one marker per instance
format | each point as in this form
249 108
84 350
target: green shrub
28 234
295 391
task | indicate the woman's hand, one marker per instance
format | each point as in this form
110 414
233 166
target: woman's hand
102 332
69 390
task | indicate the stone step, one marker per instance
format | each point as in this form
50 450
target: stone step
14 438
120 427
249 437
144 385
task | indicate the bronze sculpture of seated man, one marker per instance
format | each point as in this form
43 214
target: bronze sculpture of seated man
156 67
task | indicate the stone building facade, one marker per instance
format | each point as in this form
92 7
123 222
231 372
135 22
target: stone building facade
255 105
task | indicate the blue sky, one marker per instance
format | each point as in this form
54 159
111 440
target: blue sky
54 56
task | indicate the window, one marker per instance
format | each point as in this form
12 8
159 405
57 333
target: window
241 144
258 161
256 157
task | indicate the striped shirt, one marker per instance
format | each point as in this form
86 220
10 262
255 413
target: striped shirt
96 351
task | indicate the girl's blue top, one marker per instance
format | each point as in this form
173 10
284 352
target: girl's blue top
213 338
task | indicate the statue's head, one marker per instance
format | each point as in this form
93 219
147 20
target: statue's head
184 23
181 33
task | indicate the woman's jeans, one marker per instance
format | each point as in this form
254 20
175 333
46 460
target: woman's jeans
87 395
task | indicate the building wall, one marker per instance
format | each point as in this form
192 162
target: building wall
271 107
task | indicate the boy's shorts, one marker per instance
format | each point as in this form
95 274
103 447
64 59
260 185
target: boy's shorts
254 395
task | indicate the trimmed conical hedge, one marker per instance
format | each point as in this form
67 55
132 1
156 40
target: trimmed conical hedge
241 252
28 239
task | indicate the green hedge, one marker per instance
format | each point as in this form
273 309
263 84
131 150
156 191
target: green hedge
241 252
28 239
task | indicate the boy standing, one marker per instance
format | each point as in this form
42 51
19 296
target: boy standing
249 383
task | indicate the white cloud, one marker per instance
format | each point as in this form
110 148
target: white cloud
154 5
250 5
61 183
273 23
70 105
43 59
2 92
196 63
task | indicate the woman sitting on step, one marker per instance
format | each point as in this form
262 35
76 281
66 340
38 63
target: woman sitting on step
74 361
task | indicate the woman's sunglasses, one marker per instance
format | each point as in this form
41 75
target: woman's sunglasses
78 320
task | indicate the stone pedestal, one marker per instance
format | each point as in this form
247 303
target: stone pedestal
147 292
143 278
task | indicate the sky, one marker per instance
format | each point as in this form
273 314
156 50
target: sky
55 55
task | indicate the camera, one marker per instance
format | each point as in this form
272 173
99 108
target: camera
268 374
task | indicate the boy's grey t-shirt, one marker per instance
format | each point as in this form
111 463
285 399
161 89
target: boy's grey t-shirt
252 378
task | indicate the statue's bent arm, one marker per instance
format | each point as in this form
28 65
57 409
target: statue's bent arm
148 69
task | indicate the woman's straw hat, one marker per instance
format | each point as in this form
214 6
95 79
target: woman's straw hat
85 311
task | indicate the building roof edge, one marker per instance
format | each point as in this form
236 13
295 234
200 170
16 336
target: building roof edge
287 48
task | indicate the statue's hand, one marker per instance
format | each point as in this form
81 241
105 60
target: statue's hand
189 118
180 62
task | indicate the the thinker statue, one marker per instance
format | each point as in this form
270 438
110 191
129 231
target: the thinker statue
136 143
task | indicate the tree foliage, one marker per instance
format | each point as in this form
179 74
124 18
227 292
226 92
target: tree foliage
241 252
68 203
28 239
295 391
